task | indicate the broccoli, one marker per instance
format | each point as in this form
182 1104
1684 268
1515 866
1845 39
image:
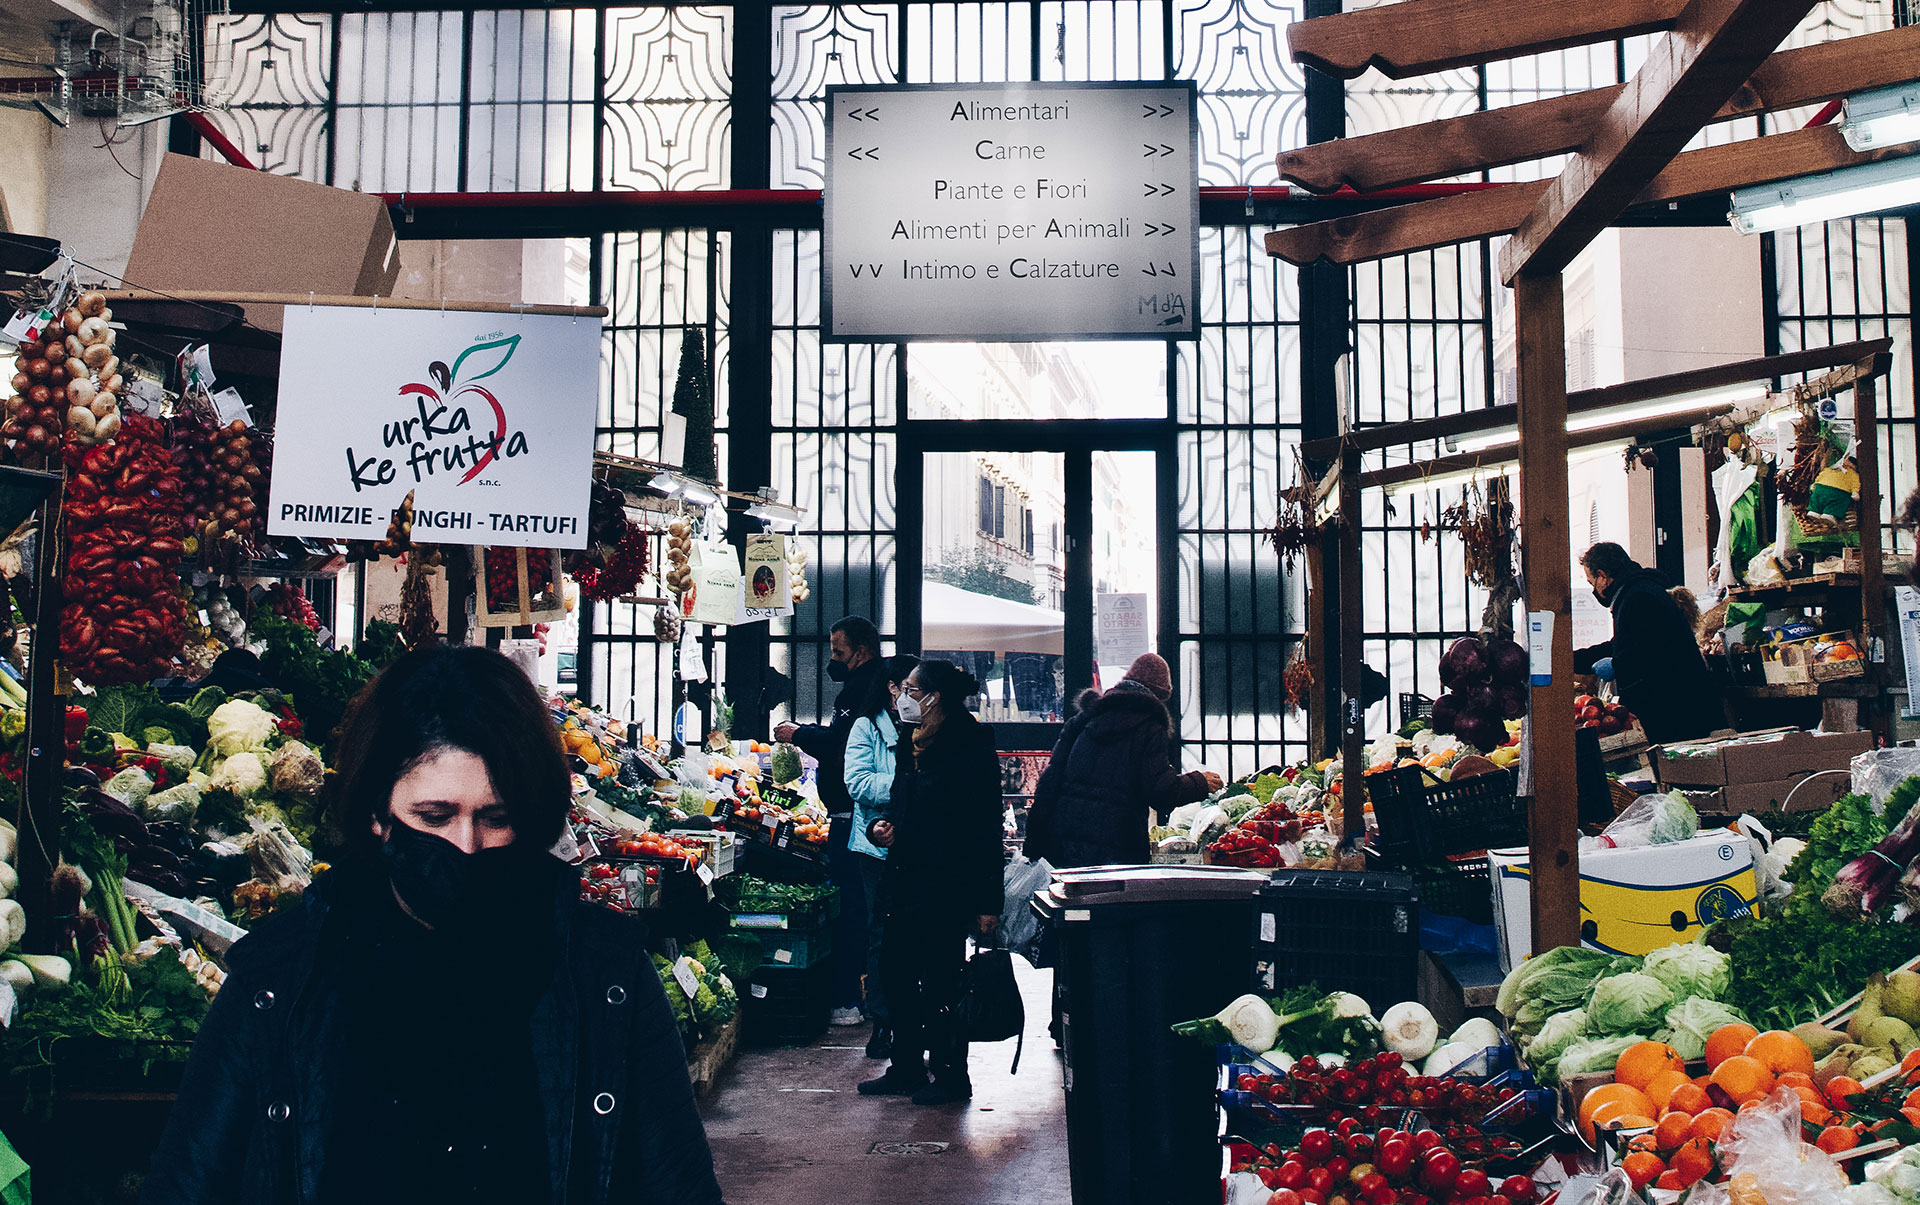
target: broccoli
716 1002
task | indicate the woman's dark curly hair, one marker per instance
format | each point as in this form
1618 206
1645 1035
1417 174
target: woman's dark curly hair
470 699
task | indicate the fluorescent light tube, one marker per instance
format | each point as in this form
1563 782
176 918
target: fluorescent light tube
1883 117
1810 200
665 482
1593 420
697 494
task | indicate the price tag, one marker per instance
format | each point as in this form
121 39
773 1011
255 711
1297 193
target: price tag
144 396
26 325
783 956
705 872
230 407
204 621
1269 930
684 976
757 992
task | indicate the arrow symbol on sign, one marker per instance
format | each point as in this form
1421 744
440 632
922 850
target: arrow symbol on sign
1159 190
1166 230
1170 269
1151 150
864 152
1156 110
864 114
1150 270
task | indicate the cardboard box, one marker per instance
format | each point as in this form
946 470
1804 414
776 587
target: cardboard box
1810 793
1634 901
215 227
1757 757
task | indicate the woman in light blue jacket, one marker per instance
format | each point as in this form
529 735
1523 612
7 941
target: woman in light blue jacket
869 778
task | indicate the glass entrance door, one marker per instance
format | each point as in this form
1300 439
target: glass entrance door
1039 570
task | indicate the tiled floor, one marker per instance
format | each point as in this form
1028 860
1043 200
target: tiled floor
786 1125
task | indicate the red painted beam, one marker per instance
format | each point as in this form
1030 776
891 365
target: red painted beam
228 151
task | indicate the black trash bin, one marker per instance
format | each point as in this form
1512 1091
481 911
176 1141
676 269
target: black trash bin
1140 948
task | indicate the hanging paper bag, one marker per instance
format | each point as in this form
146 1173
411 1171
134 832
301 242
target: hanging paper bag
768 588
716 584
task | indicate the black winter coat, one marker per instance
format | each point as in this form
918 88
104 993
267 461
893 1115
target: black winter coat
1657 666
254 1117
827 743
947 857
1110 768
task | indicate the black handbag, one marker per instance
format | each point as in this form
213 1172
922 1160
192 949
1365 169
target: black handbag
990 1008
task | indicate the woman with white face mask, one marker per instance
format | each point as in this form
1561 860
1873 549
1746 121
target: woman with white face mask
869 777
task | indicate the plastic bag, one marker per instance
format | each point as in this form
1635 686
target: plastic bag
1614 1188
1763 1146
277 857
1019 927
1648 820
1878 771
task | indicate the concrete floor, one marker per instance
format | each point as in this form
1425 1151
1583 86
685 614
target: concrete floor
787 1125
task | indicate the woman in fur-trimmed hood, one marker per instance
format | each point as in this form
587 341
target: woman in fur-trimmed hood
1110 771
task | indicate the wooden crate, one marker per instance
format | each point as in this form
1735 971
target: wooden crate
707 1060
537 597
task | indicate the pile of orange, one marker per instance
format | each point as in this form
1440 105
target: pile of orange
1651 1091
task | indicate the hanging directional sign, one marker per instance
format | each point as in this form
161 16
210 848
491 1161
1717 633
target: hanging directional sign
1011 212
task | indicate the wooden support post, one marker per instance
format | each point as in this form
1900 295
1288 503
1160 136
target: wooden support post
1873 586
1547 566
1353 628
1317 704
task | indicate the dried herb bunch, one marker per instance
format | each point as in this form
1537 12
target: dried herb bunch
1293 524
1484 522
1298 681
1811 452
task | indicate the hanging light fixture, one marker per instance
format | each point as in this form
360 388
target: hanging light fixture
1810 200
1883 117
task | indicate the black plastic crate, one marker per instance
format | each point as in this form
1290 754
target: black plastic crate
1421 819
1414 706
786 1006
1460 887
1347 931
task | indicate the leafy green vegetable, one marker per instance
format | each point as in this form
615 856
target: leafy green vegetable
743 892
1800 962
133 710
1633 1002
321 682
1588 1055
1558 1032
1316 1023
1690 969
381 645
1692 1021
1844 832
205 702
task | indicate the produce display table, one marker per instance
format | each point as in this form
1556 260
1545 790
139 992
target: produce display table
706 1061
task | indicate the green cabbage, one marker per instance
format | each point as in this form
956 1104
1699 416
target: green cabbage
1561 977
1559 1032
1591 1055
1692 1021
1630 1003
1690 969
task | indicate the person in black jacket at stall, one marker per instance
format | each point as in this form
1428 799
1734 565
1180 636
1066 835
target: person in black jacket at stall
945 876
1663 679
857 666
441 1018
1111 770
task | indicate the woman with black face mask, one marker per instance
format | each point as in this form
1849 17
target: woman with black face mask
441 1018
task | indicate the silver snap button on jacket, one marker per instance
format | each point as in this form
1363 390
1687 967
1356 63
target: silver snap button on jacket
263 1000
603 1103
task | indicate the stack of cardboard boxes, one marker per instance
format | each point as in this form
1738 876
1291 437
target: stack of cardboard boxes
1758 771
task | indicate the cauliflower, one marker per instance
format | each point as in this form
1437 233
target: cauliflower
242 774
296 771
239 726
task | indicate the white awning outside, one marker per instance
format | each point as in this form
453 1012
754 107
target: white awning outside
956 620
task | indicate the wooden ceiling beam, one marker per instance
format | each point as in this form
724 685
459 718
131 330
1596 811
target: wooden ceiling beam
1687 76
1417 37
1559 125
1492 212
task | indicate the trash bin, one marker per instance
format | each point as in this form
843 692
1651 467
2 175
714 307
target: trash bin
1141 948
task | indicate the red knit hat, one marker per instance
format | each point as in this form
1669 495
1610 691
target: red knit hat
1151 671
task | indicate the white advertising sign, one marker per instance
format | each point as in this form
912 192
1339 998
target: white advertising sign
1123 630
487 418
1011 212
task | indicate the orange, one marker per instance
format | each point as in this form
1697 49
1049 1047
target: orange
1689 1098
1642 1168
1912 1116
1661 1087
1675 1128
1632 1100
1911 1063
1727 1041
1835 1139
1743 1077
1813 1107
1840 1087
1669 1180
1693 1162
1780 1051
1640 1062
1615 1114
1913 1097
1793 1079
1710 1125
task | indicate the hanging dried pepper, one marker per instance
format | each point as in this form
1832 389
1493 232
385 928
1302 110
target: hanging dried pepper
124 620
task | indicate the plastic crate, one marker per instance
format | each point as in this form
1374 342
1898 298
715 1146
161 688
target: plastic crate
789 948
1350 931
1414 707
811 916
785 1006
1421 820
1457 887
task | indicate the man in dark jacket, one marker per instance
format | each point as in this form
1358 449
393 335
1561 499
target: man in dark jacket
1663 680
1109 770
857 667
